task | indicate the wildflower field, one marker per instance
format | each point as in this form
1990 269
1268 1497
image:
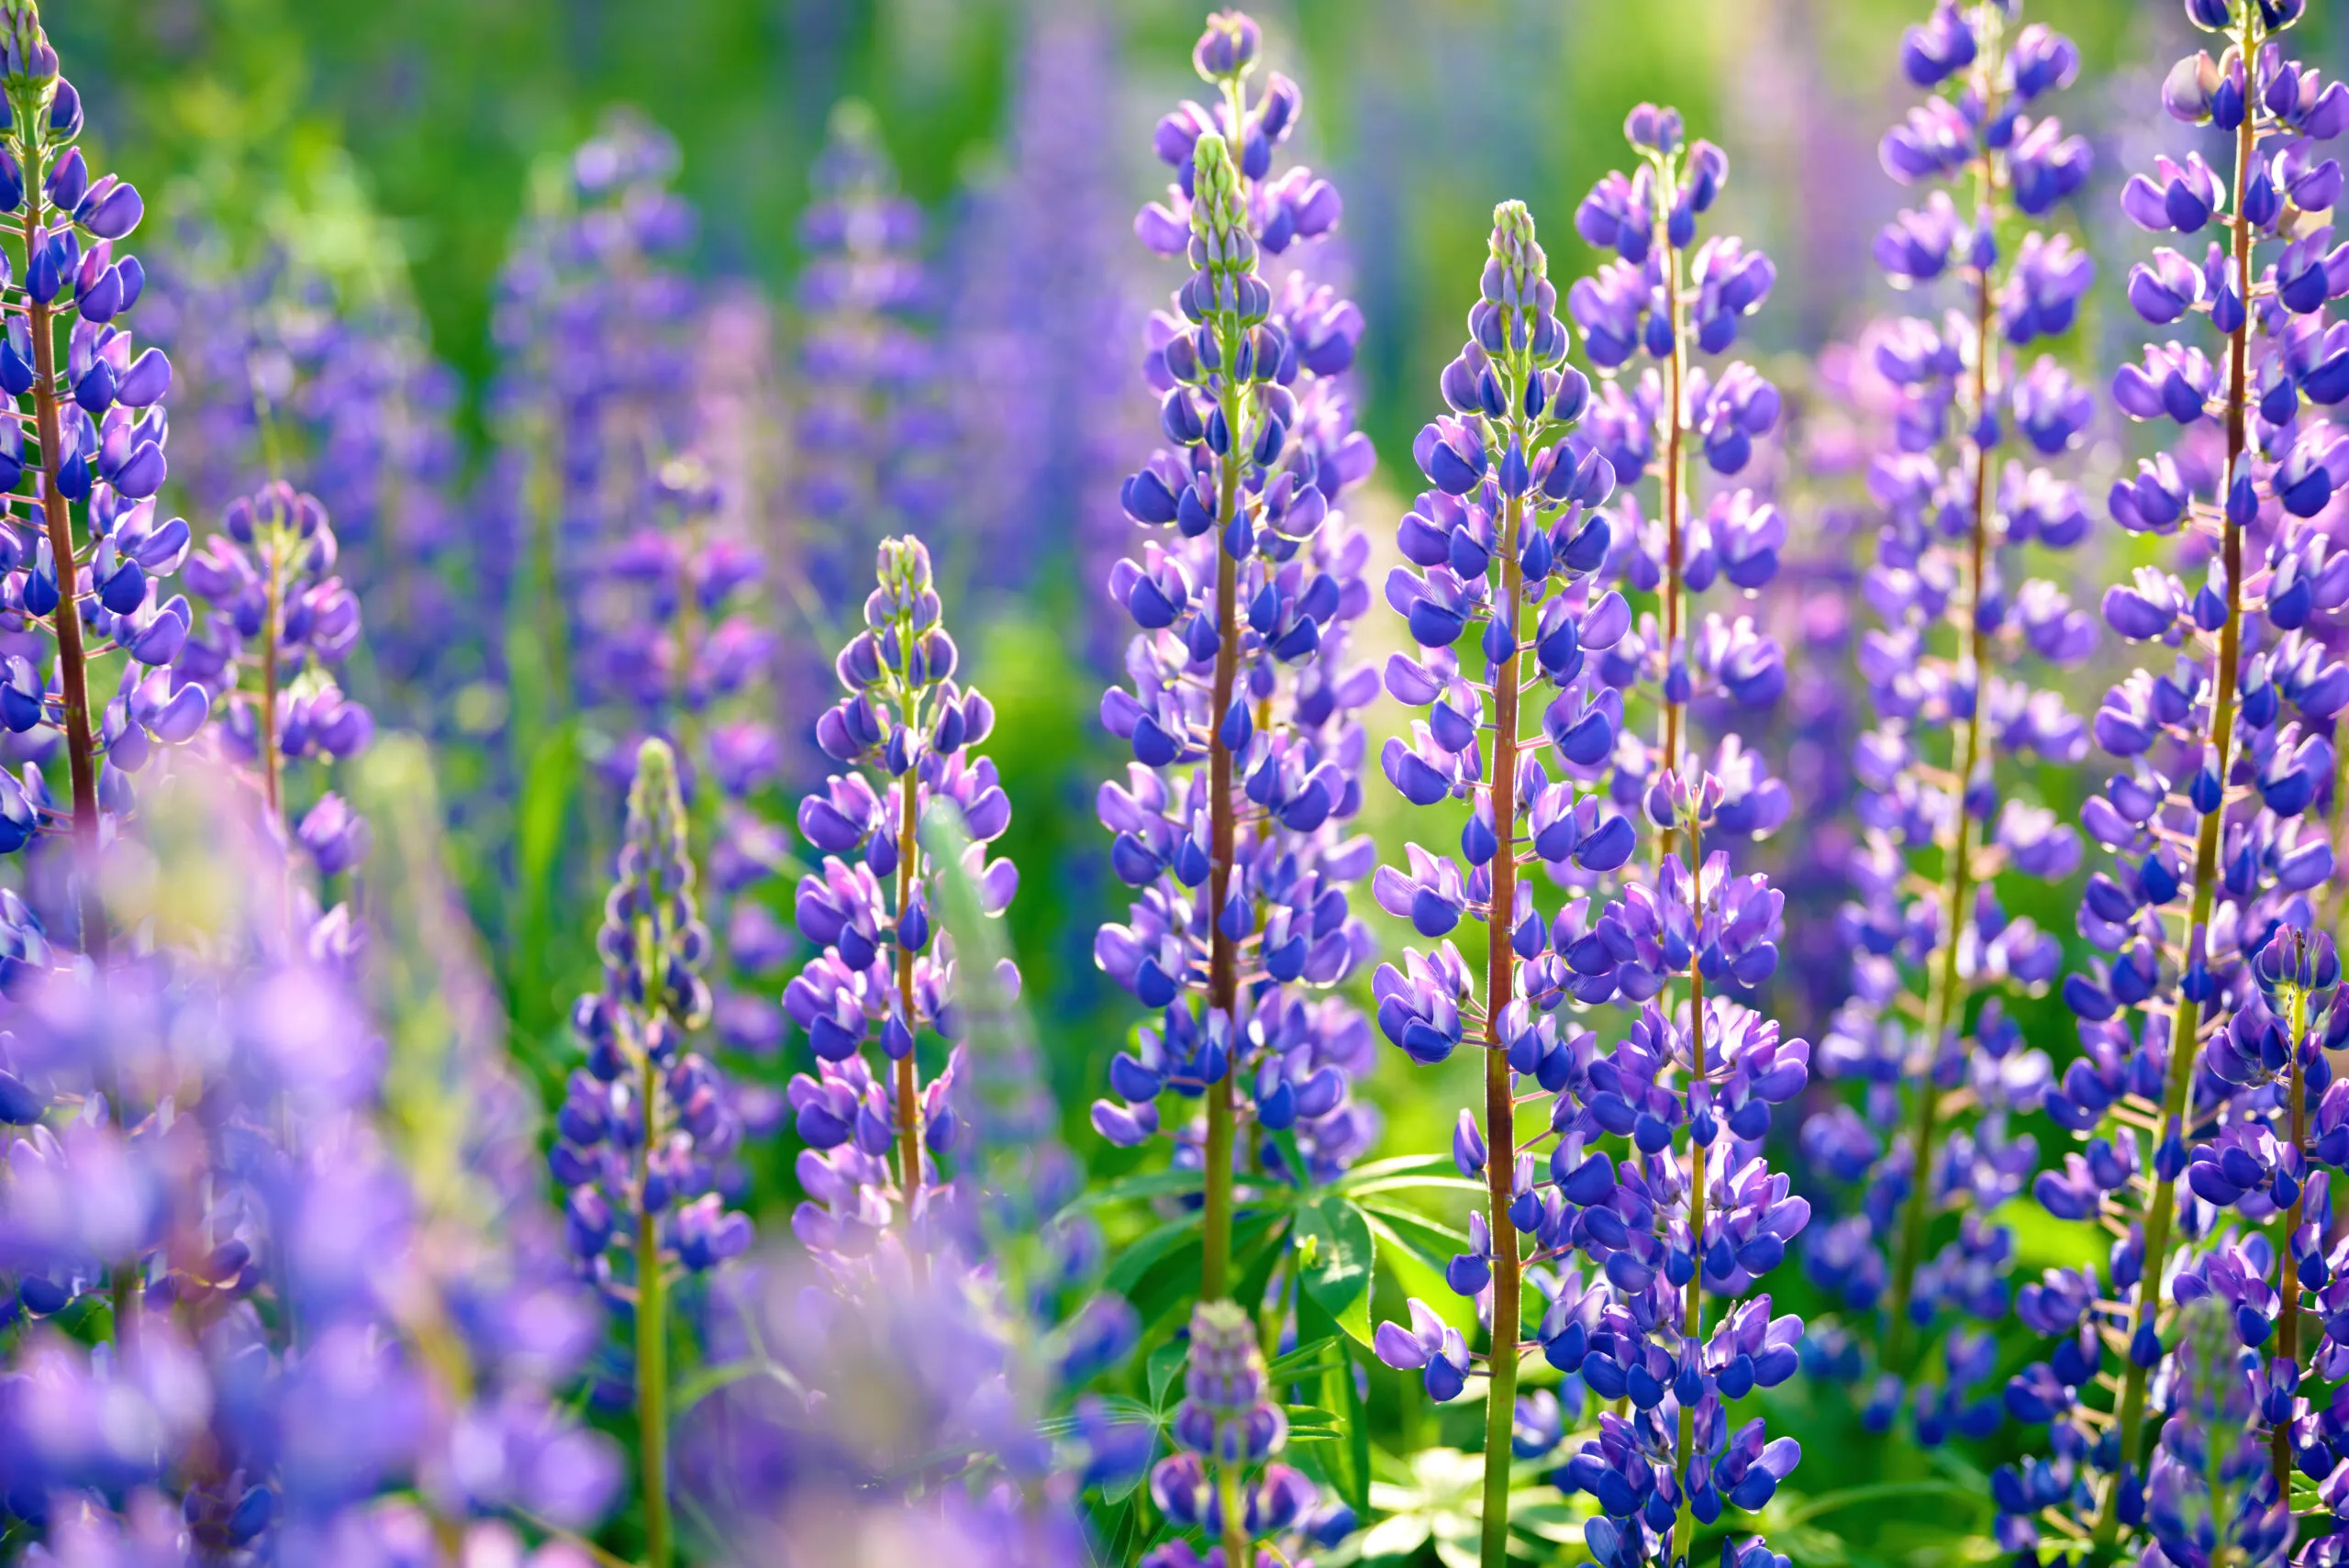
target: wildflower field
1057 784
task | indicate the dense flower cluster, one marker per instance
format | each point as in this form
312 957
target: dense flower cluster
903 734
2200 917
280 1278
281 621
594 322
91 443
1231 820
1948 676
872 428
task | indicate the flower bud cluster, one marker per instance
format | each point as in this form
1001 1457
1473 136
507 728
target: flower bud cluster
648 1129
1227 1430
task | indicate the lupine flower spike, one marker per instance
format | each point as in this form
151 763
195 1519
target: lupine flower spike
905 733
1221 1480
647 1120
98 424
1502 549
280 623
1951 702
1241 715
1644 303
2224 755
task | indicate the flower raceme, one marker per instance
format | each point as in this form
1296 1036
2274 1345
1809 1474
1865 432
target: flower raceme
1663 301
1950 675
1231 822
2203 1006
1506 548
98 429
905 733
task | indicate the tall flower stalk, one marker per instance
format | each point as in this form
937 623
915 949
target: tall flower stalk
1240 716
904 733
2207 875
647 1120
1660 299
99 431
1945 679
872 428
281 622
1505 541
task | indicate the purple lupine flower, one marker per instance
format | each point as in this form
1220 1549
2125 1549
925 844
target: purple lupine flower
1950 525
874 436
1233 821
1227 1430
593 318
844 1445
99 421
280 620
647 1124
2210 1494
1043 424
278 1268
1670 298
904 732
2200 917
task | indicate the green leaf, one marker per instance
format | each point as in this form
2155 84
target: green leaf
1430 1241
1309 1357
1344 1253
1149 1184
1346 1465
1257 1249
1165 1361
709 1380
1400 1165
1311 1424
1417 1185
1149 1267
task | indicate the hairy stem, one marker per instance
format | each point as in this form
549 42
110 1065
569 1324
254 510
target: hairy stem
1223 955
72 670
652 1371
1675 421
1948 989
908 1082
1692 1306
652 1306
273 765
1500 986
2185 1033
2287 1279
1233 1506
